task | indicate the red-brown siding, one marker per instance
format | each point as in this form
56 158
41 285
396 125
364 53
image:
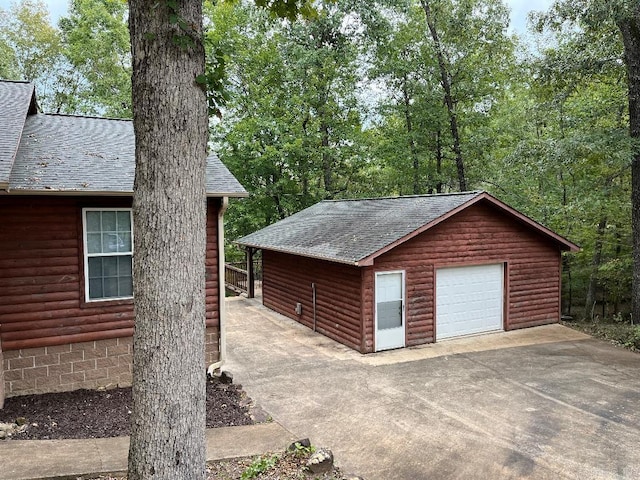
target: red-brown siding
41 274
477 235
287 280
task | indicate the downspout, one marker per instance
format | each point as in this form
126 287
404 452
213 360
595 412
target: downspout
222 307
313 290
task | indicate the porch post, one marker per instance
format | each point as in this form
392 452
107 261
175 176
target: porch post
250 274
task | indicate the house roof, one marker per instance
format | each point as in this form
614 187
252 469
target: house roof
15 102
357 231
47 154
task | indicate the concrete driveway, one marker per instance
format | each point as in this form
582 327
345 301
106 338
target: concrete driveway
544 403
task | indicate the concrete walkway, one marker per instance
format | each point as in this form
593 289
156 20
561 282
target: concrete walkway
543 403
48 459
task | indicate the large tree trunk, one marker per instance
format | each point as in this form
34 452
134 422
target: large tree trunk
171 127
445 81
630 29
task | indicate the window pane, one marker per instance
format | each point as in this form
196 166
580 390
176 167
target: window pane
110 287
110 266
95 288
389 314
93 221
124 221
94 243
125 285
95 267
124 266
125 242
108 221
111 242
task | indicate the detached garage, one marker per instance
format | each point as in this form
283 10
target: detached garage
378 274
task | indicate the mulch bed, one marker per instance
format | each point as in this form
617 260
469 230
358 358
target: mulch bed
99 414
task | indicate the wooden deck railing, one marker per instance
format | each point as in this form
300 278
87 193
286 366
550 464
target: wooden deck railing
235 279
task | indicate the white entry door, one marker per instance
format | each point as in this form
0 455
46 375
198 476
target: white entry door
469 300
390 324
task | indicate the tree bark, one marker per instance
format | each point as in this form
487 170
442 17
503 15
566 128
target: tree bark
171 127
630 28
412 144
445 81
327 161
439 161
595 266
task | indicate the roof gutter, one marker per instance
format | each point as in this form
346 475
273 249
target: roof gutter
355 263
4 189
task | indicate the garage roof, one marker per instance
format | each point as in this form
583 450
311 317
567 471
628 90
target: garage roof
357 231
75 155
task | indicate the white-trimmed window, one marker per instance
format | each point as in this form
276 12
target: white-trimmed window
108 253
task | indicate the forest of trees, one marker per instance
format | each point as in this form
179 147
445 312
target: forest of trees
389 97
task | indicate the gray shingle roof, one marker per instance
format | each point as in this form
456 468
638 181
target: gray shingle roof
85 155
15 100
357 231
348 231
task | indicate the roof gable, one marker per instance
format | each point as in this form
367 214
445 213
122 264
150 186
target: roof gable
17 100
75 155
357 231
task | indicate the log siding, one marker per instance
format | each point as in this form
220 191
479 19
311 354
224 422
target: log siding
287 280
478 235
42 298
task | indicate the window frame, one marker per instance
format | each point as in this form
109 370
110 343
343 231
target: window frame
86 255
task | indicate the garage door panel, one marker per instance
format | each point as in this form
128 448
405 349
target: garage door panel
468 300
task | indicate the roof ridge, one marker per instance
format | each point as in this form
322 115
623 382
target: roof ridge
7 80
92 117
397 197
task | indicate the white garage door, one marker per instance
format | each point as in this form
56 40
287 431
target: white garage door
468 300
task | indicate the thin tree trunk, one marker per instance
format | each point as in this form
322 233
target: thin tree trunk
327 162
439 161
595 265
616 300
445 81
566 266
412 144
630 29
171 128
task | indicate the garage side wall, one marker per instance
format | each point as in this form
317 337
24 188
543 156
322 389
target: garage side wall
287 281
52 340
478 235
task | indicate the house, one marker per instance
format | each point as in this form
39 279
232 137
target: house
66 306
378 274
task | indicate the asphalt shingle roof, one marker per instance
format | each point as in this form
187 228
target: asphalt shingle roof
15 99
82 155
348 231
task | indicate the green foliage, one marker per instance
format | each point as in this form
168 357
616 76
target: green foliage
633 341
292 127
620 333
302 451
96 39
31 49
260 465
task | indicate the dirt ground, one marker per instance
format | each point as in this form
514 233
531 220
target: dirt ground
99 414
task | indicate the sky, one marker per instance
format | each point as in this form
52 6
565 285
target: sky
519 10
